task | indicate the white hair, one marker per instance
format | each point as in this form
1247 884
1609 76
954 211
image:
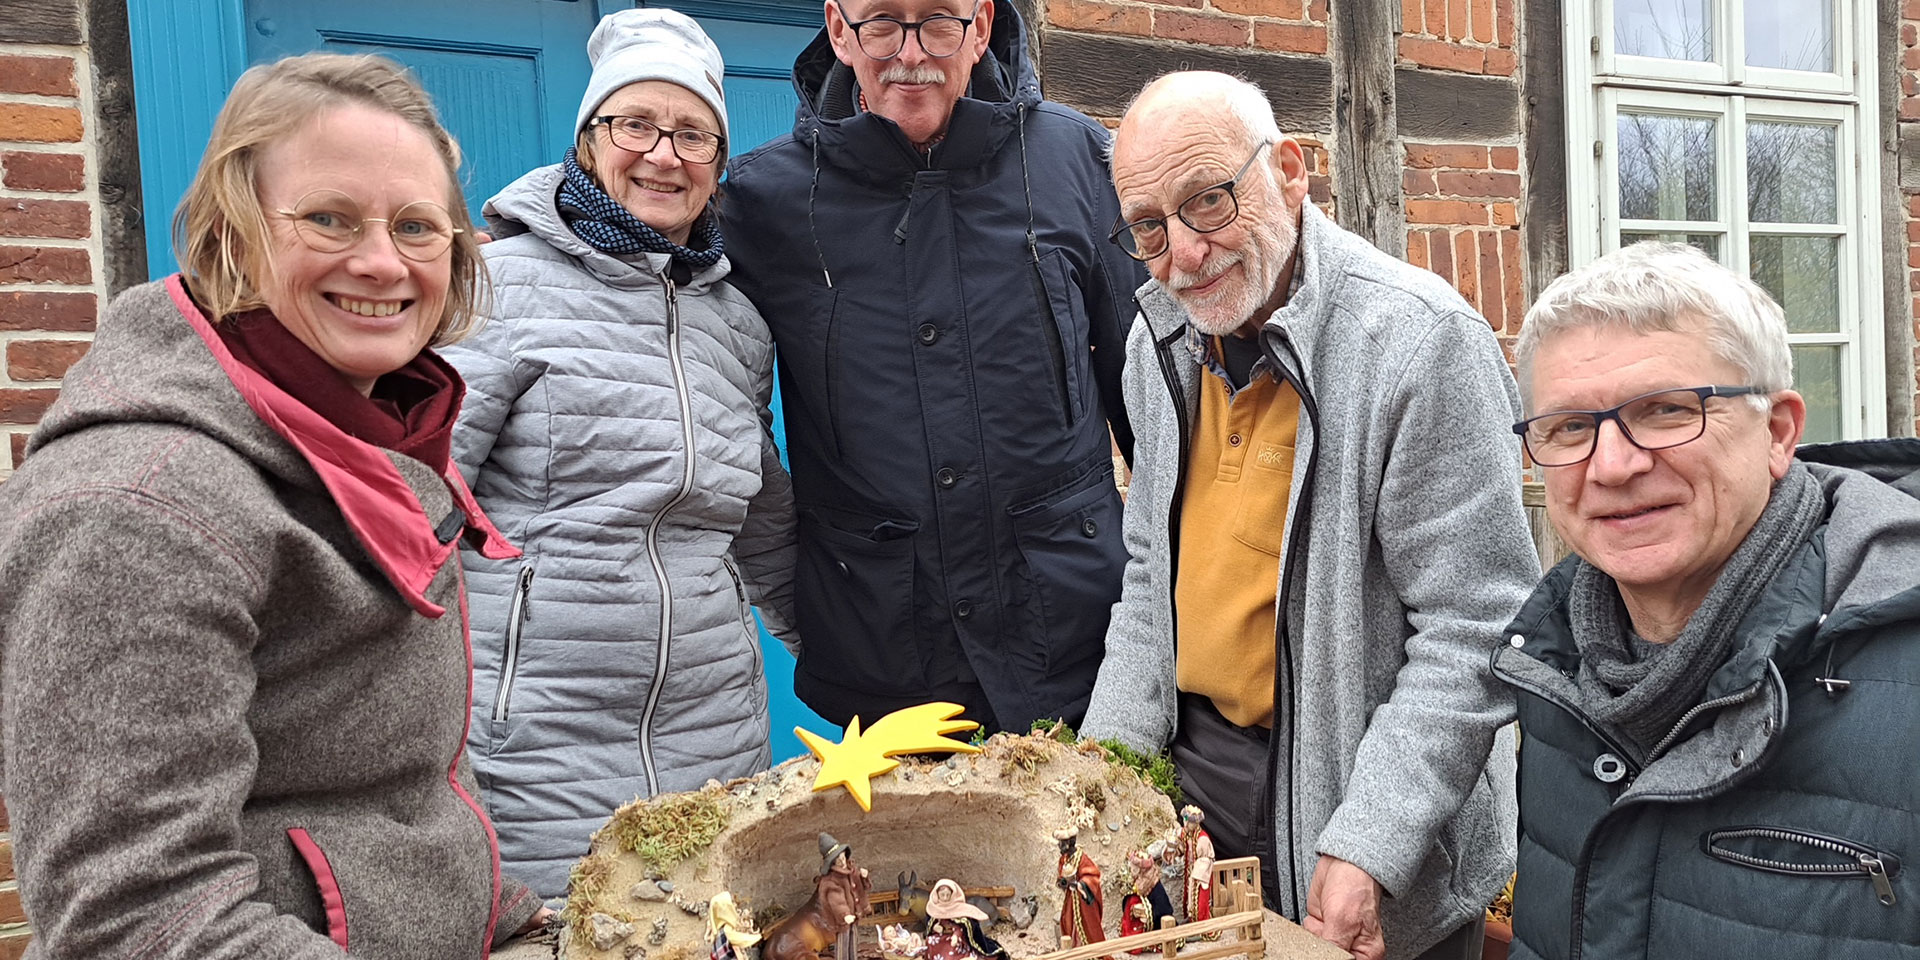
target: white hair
1654 287
1243 99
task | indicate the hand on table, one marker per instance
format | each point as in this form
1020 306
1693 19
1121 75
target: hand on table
1343 908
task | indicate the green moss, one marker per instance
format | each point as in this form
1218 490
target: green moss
1156 769
1057 729
667 830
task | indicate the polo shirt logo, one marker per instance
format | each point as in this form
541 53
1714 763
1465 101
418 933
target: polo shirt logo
1273 456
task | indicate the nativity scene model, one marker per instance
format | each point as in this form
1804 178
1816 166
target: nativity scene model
1028 844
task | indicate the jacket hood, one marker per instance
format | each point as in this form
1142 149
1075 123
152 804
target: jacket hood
156 359
1002 89
530 205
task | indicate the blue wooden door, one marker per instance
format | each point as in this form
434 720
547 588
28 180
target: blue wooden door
507 76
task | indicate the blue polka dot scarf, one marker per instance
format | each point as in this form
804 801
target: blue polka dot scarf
602 222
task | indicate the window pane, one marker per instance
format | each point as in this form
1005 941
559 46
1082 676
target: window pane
1669 29
1816 374
1666 167
1792 176
1708 243
1803 274
1789 34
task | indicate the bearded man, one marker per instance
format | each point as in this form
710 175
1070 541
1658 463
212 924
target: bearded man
1326 513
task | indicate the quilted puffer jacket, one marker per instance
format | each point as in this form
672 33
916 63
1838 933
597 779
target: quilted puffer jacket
617 430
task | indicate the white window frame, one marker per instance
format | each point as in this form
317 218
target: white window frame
1600 82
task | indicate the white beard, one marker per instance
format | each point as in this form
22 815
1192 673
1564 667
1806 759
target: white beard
1220 312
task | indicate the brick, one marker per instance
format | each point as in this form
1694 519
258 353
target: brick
18 443
1290 38
1441 55
1506 215
1466 274
35 123
10 909
57 312
24 406
1410 19
1908 35
44 265
1463 156
64 219
1477 183
1500 63
5 823
1436 18
1913 231
1907 85
1504 158
1277 9
1096 17
1913 205
52 172
1511 263
1457 19
1482 18
1493 300
6 846
1416 183
14 946
1910 108
1320 189
1458 212
29 360
1910 58
42 76
1440 253
1417 248
1910 9
1317 11
1503 22
1201 28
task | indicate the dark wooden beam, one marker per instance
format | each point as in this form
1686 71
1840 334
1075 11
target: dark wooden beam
123 234
1459 107
40 21
1099 75
1899 167
1368 197
1543 117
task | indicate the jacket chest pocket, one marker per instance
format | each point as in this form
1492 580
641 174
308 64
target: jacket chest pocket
1063 332
814 358
1789 851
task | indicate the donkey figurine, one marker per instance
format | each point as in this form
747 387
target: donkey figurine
826 920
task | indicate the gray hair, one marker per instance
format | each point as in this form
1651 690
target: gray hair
1654 287
1245 102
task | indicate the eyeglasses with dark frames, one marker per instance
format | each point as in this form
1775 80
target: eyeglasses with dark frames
1205 211
329 221
882 38
640 135
1650 421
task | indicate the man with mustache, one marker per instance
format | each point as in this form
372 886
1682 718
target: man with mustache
928 247
1327 537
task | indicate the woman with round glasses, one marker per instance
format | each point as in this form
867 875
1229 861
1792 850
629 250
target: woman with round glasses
233 668
617 428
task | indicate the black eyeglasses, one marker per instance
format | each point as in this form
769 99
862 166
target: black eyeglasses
1209 209
882 38
1651 421
640 134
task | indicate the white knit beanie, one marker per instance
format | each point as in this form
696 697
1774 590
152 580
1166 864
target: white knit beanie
652 44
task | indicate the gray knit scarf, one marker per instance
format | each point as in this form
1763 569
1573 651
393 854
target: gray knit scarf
1644 697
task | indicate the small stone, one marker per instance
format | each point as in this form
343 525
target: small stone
906 774
666 886
953 763
713 784
647 890
636 952
654 874
609 932
1113 825
658 935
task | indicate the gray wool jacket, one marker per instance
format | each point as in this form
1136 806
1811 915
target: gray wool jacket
229 736
617 430
1407 552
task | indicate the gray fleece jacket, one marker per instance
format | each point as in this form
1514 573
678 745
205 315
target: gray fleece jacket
1407 552
233 684
617 429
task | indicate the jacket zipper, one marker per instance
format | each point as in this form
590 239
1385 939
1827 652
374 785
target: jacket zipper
1163 349
1738 696
1056 349
518 612
664 647
746 612
1875 865
1283 677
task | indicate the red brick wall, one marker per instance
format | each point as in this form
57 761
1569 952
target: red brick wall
1910 119
50 285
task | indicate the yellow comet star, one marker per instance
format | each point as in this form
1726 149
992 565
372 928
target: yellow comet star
859 757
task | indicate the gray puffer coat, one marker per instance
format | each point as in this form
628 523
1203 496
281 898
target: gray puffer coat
618 658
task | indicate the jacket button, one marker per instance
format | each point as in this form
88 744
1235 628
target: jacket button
963 609
1233 440
1608 768
842 564
1089 529
929 333
1517 641
946 477
1739 756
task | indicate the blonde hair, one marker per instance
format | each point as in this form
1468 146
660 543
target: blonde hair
220 232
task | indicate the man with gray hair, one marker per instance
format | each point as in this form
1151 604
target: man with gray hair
1326 514
1716 691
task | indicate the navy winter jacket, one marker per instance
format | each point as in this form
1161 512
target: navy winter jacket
951 328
